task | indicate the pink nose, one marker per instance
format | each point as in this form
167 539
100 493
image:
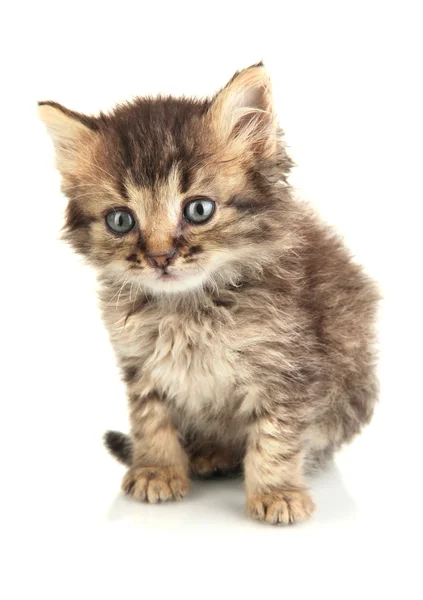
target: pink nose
161 261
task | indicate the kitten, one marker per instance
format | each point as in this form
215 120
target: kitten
242 326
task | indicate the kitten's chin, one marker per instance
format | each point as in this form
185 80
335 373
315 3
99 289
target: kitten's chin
174 283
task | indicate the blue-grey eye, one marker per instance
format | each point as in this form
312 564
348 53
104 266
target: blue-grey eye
120 221
199 210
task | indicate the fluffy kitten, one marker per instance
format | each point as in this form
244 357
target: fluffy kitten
243 329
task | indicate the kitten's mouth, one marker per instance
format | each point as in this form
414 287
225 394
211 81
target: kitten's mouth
173 280
166 276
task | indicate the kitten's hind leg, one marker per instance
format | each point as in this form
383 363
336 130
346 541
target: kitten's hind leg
318 459
209 461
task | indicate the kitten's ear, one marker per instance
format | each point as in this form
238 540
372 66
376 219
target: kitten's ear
72 133
244 110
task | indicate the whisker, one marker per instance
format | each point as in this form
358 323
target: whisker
120 291
114 283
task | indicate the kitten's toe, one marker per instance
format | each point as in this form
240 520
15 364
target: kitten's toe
281 507
154 484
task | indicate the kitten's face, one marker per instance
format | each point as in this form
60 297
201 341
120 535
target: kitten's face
172 195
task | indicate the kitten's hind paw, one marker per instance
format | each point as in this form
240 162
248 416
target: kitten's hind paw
281 507
154 484
219 463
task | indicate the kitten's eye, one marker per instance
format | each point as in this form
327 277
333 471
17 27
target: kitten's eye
120 221
199 210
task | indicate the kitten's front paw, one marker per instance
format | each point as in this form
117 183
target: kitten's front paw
281 506
152 484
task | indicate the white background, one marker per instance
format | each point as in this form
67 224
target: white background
346 77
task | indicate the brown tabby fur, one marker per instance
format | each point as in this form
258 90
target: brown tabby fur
260 353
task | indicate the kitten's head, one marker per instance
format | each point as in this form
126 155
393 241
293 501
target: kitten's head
175 194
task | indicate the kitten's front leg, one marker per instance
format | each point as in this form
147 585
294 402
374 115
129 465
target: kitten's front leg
159 468
274 473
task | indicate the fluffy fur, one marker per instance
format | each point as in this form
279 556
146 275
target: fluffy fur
256 347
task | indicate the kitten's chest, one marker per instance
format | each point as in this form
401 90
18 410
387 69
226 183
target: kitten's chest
193 361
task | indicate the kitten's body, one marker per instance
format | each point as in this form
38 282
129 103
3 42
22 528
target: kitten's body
264 356
213 356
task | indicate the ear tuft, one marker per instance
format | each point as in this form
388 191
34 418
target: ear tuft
258 64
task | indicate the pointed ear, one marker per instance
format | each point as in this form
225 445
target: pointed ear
244 109
72 133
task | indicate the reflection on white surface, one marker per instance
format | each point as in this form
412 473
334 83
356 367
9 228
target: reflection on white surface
214 499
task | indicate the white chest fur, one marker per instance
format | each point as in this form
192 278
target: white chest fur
191 360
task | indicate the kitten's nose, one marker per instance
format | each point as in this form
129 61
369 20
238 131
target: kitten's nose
161 261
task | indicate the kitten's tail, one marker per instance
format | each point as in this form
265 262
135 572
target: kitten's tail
119 445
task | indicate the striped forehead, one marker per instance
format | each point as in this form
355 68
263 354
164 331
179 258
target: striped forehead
161 202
